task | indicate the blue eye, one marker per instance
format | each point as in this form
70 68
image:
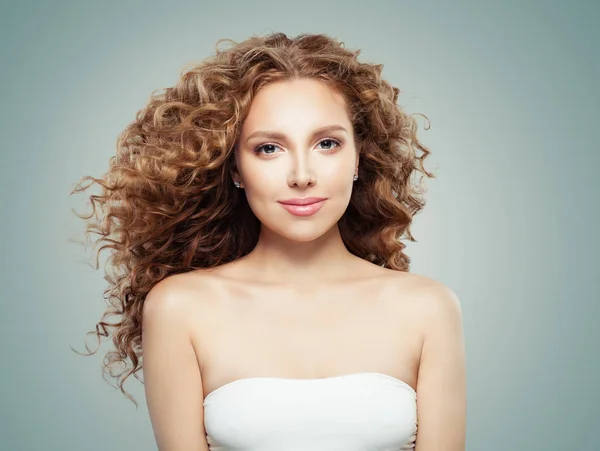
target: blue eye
337 143
262 147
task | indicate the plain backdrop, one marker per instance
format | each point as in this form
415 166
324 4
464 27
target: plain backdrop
511 224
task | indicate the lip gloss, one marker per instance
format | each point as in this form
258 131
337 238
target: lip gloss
304 210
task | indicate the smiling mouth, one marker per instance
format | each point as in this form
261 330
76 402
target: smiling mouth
302 200
305 209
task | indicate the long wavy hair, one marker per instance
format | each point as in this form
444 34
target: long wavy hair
166 204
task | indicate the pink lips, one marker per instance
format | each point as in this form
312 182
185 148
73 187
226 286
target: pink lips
303 206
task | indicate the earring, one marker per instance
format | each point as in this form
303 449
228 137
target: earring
355 177
237 184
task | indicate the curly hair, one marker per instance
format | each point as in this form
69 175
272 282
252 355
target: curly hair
166 206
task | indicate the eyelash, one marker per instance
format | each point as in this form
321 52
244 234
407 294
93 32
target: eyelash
259 148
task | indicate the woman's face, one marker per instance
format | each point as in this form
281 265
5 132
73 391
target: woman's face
297 142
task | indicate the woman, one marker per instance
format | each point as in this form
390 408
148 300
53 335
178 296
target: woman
254 212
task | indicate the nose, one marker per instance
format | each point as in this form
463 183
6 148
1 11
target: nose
301 174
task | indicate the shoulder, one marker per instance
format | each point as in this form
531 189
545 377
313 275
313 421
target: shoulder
440 306
441 374
177 295
171 368
432 303
430 296
438 311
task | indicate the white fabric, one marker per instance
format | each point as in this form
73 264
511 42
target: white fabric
353 412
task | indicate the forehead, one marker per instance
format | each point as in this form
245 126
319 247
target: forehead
297 104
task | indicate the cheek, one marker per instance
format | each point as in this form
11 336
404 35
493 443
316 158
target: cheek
261 181
262 188
338 177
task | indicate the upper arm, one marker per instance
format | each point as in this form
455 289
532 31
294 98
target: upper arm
441 386
172 379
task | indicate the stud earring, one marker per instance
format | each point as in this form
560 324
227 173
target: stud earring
237 184
355 177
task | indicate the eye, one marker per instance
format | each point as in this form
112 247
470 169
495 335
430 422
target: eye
330 140
269 148
265 147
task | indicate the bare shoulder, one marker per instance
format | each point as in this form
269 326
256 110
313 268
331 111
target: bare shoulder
429 295
179 295
438 302
426 300
172 376
441 371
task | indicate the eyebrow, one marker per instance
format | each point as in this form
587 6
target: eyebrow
276 135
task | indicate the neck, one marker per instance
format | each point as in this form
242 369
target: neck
278 260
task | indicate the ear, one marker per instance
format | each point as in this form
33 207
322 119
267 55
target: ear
235 177
233 172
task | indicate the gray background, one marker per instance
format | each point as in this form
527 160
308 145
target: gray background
511 89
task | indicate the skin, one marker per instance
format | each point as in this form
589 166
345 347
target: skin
300 296
298 165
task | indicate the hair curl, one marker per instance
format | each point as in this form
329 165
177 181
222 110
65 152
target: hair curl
166 205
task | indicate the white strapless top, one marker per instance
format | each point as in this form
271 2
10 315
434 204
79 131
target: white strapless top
353 412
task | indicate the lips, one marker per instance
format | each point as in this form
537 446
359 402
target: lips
302 200
307 206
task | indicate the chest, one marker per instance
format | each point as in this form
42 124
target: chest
313 331
308 333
